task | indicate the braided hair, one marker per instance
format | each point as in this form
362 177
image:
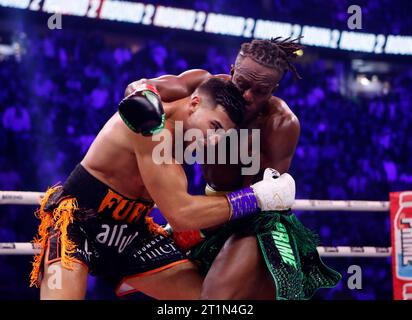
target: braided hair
276 53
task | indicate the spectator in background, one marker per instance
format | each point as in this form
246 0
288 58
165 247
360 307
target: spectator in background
16 118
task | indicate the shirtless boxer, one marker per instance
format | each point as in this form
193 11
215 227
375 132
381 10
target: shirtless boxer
242 260
98 223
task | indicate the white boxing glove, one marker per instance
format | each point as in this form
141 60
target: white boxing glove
275 191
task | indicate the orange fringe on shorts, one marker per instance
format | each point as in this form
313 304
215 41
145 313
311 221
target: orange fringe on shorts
59 220
154 228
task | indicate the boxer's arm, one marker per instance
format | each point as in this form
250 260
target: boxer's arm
167 185
172 88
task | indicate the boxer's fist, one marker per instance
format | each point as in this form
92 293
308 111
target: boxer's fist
188 239
185 240
275 191
142 110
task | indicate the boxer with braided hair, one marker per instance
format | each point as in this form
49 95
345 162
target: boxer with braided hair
276 53
273 256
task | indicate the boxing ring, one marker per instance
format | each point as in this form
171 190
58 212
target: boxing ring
33 198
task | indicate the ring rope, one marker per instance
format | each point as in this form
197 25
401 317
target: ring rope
33 198
28 248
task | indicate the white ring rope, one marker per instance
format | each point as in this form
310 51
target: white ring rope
341 205
364 252
28 248
32 198
21 197
18 248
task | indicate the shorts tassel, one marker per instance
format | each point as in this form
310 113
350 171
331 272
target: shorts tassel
58 219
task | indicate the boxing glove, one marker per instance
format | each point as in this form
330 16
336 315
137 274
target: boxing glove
273 192
142 110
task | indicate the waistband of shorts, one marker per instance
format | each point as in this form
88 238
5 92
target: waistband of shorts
90 191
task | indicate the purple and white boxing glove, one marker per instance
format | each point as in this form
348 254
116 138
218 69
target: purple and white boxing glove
273 192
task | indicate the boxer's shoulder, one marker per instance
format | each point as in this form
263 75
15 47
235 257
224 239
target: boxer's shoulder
223 76
278 105
280 116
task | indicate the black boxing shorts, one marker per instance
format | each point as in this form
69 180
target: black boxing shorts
84 221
